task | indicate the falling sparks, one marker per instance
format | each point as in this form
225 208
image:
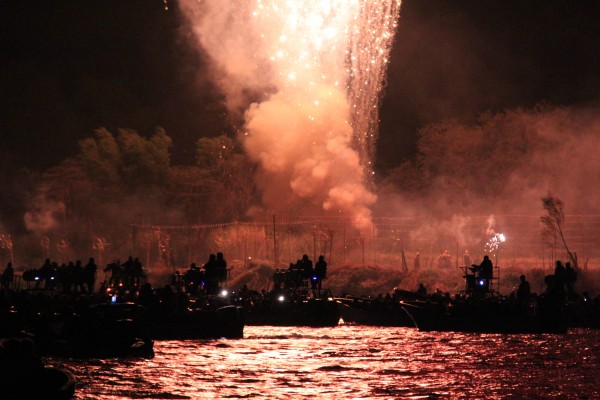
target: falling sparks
320 65
494 243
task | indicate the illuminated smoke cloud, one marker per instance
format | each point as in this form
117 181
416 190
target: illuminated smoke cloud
306 76
43 216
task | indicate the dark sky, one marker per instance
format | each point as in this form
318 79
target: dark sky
68 67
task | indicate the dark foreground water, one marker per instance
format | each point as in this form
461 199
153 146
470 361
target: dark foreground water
351 362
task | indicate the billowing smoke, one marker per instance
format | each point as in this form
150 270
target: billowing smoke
44 215
306 77
493 174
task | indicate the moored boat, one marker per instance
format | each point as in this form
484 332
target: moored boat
103 330
24 376
294 308
491 314
297 299
198 322
480 309
377 311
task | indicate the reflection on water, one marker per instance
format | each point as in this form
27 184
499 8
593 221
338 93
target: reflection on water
350 362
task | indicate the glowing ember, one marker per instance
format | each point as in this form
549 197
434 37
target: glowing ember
307 76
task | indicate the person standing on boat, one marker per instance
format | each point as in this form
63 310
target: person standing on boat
7 276
570 278
221 267
559 280
211 283
306 267
524 290
89 275
422 290
486 273
320 272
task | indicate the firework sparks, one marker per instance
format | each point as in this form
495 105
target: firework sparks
318 68
494 243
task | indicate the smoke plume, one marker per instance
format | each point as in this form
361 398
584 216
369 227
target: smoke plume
296 74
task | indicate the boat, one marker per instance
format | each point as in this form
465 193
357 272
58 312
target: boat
493 314
103 330
294 308
479 309
378 311
206 317
294 301
23 375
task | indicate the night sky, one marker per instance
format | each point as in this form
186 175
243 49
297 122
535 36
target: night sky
68 67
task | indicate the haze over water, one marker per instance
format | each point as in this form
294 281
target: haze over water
351 362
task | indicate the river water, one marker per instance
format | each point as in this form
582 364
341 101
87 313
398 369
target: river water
352 362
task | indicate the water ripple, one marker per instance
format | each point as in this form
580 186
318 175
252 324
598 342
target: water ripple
352 362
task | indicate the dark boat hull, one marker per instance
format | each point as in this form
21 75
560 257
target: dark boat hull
487 317
224 322
372 313
50 384
101 331
308 312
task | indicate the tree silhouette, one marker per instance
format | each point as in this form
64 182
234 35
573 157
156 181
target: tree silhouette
553 222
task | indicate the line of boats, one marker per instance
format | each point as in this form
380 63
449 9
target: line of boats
125 322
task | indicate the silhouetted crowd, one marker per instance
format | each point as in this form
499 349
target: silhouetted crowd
205 280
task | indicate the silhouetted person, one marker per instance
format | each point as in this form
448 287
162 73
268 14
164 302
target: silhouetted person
306 266
64 277
211 280
89 275
320 272
46 274
570 278
221 267
128 268
116 273
559 279
7 276
137 272
486 273
192 278
524 290
422 290
78 277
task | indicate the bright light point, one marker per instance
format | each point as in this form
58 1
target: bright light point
224 293
501 237
281 298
